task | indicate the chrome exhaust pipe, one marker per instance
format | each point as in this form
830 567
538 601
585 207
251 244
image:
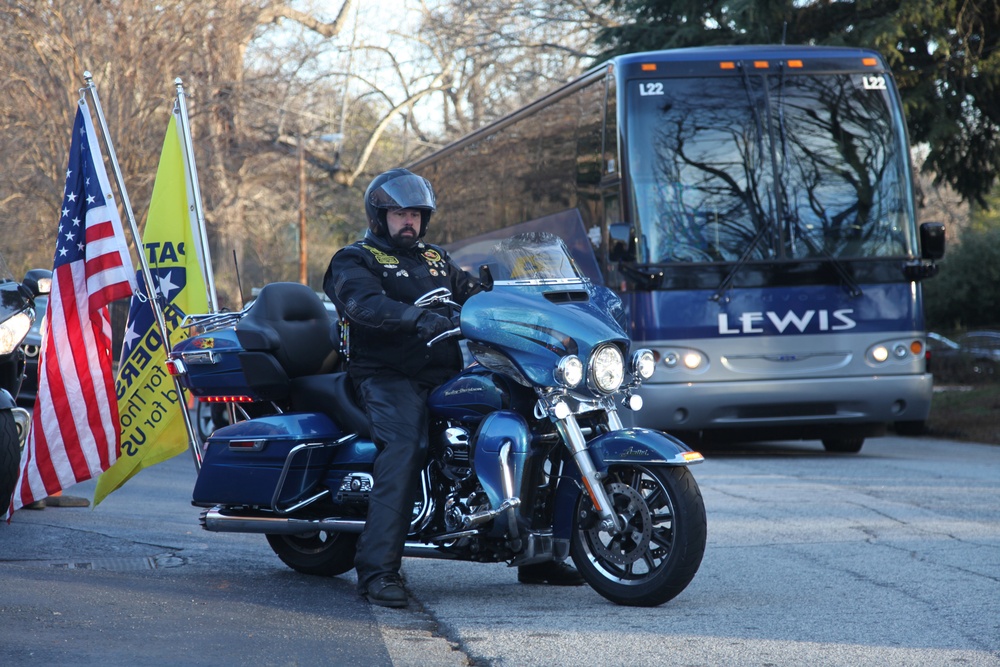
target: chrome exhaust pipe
421 550
218 521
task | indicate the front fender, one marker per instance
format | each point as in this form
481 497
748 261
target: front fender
640 445
630 445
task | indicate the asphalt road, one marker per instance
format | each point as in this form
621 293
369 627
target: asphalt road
889 557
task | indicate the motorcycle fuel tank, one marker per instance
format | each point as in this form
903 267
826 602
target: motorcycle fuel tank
473 394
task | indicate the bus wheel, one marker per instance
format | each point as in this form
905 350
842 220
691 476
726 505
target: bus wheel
843 445
911 428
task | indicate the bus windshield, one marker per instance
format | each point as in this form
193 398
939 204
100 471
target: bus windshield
781 166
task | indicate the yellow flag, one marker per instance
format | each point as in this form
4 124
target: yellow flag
151 423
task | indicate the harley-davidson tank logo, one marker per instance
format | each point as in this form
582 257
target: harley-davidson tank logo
203 343
462 390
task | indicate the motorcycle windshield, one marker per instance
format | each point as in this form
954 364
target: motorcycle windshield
535 258
541 308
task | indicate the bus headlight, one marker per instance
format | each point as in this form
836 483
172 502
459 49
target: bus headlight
569 371
607 369
643 363
685 359
904 350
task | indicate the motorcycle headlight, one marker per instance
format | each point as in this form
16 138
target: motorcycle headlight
569 371
643 363
13 331
607 369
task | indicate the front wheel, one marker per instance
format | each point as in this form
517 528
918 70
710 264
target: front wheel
660 550
10 456
321 553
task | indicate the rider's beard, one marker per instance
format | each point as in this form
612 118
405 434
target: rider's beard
403 240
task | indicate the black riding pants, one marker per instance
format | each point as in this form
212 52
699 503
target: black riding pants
397 414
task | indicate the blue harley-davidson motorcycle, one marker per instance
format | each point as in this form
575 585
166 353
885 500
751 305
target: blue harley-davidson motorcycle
529 459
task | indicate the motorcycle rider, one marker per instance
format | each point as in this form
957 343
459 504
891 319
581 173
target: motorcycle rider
374 283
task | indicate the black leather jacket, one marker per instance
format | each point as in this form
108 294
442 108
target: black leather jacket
374 285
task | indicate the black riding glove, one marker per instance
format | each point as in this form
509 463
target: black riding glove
431 325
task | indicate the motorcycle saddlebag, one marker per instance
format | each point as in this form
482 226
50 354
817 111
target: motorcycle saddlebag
243 463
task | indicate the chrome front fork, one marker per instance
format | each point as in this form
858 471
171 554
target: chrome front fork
573 436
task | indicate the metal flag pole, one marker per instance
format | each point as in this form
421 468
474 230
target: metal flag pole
194 188
191 170
141 251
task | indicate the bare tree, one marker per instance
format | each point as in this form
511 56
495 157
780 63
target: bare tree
500 54
135 49
265 78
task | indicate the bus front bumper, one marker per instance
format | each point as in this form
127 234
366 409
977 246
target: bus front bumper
803 405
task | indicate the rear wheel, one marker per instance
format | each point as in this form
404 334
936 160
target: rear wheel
321 553
10 457
658 553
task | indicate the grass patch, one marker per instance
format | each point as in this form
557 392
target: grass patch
970 413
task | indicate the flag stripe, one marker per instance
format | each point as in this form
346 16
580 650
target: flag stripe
107 277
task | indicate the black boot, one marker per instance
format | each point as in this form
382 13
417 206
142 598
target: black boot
386 591
553 573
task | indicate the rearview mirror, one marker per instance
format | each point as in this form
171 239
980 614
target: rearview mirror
932 240
621 242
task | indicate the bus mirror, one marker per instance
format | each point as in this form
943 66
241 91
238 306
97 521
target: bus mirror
932 240
485 277
621 243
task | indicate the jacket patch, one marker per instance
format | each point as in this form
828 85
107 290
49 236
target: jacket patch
381 257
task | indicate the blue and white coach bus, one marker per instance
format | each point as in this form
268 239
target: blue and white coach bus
754 209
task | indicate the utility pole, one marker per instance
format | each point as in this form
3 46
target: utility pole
303 254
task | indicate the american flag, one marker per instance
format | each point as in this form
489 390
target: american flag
74 430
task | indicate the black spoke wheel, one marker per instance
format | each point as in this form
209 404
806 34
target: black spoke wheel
658 553
321 553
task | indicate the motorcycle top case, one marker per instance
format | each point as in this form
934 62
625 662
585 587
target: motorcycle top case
243 462
213 365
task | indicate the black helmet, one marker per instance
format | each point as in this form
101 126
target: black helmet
398 188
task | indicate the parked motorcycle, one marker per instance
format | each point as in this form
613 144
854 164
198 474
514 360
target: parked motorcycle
17 314
529 459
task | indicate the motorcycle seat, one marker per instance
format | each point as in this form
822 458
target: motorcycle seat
290 323
333 395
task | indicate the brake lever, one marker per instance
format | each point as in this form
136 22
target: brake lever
450 333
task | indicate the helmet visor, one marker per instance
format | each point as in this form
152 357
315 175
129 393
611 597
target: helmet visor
410 191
